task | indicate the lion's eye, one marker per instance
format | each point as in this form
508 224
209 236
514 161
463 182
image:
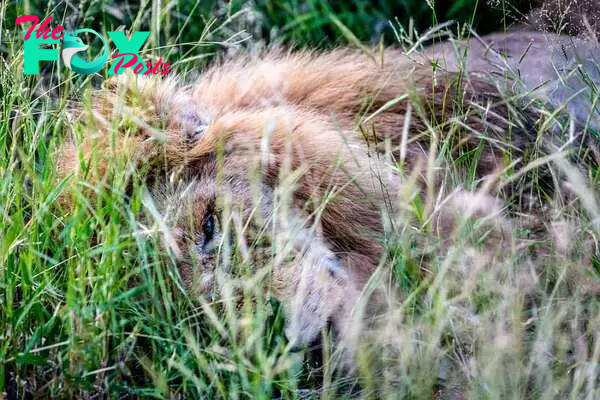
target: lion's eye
208 228
198 132
206 240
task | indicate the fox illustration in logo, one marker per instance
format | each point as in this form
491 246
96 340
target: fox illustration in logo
73 45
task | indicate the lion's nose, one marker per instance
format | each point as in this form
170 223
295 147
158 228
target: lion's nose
194 125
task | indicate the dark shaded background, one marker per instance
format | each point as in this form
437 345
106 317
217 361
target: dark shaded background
303 23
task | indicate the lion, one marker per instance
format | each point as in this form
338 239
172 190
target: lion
561 70
287 158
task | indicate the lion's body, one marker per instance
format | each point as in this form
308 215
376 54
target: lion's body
298 148
562 70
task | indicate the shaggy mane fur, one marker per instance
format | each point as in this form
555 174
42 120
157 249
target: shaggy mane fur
325 126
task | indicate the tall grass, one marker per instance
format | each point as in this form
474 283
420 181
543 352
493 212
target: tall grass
91 303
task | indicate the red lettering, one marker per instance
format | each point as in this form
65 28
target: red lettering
149 65
27 18
166 69
56 31
156 65
128 64
138 68
151 68
41 31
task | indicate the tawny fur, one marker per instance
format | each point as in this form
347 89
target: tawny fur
317 124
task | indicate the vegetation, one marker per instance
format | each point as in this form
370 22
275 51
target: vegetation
91 303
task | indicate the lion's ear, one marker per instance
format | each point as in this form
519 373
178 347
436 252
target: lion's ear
109 128
131 120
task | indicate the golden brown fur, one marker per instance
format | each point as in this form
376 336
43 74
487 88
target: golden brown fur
288 151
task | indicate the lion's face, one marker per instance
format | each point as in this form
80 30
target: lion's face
212 226
193 229
267 188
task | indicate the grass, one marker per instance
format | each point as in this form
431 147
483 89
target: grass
91 303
